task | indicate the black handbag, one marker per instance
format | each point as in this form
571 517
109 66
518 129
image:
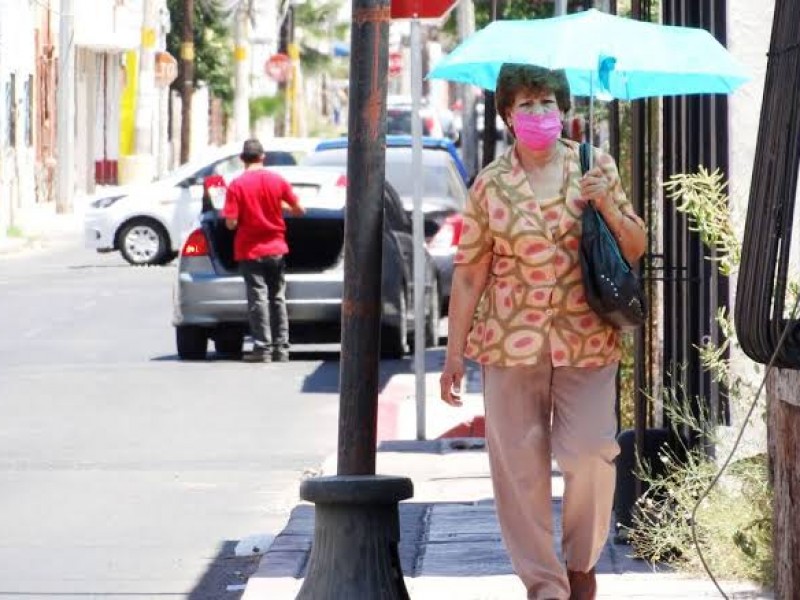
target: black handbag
612 289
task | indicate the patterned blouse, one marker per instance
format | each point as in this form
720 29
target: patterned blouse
534 301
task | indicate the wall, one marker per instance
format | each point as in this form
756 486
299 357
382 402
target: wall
108 25
104 31
200 125
750 26
17 63
749 29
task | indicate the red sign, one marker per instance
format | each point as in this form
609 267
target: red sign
395 63
166 69
421 9
278 67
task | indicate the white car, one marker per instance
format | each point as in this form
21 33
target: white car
148 222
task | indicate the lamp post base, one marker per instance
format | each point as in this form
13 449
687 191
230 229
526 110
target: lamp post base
356 532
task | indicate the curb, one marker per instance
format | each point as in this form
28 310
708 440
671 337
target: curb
473 428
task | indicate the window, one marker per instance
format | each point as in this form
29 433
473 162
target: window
28 100
11 112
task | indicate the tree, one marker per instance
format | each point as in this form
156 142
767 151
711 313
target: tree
316 22
212 44
506 9
513 9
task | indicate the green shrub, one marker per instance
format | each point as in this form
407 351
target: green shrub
734 522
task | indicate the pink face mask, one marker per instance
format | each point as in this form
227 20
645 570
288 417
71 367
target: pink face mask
537 131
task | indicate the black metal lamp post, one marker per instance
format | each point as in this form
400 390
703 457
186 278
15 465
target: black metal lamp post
354 554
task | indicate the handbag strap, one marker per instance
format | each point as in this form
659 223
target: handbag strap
586 157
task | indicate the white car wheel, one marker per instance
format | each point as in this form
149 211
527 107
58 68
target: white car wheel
143 243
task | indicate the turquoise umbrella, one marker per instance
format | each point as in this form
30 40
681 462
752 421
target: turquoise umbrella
604 56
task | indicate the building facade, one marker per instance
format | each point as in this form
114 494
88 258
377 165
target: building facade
107 34
18 98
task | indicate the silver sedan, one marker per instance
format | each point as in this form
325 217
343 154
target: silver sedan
209 295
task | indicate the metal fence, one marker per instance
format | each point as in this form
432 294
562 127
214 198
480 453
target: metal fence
694 132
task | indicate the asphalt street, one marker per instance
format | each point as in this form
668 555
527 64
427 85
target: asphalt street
123 471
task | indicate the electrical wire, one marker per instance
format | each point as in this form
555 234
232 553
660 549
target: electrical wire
789 325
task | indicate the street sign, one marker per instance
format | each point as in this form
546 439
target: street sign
166 69
278 66
421 9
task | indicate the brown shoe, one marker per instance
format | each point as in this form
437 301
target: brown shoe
583 586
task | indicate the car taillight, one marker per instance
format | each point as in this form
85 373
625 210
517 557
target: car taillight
449 233
429 124
196 244
342 181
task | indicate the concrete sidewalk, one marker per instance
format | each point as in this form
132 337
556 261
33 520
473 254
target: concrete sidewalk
450 540
39 227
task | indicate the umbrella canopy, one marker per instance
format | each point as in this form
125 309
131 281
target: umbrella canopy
603 55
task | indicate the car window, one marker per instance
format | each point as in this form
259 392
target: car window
398 122
456 185
336 157
398 169
278 158
400 174
229 166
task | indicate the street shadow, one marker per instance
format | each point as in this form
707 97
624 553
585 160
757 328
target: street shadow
95 266
324 356
226 575
437 446
325 378
438 539
288 555
211 357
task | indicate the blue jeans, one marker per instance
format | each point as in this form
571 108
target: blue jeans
266 302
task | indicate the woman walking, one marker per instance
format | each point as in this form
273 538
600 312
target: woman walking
517 307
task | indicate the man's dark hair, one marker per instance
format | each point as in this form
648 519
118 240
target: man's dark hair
516 78
252 151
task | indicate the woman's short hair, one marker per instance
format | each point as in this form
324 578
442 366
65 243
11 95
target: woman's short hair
516 78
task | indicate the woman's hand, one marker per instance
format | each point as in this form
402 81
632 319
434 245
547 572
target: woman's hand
450 381
596 187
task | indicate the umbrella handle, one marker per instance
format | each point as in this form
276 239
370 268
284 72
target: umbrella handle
590 135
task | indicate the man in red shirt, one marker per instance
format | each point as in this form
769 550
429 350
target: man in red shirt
254 207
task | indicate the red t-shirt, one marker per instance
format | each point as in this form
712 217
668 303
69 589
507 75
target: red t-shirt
255 200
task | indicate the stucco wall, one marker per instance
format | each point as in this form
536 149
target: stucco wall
17 189
749 30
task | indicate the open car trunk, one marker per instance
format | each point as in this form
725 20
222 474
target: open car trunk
316 241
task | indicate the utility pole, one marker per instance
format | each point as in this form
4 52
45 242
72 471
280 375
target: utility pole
285 42
145 103
354 554
559 8
241 99
469 134
146 92
187 87
66 107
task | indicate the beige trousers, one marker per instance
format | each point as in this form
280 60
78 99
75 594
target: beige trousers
531 414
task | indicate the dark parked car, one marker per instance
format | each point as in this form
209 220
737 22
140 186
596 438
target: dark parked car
210 299
444 193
